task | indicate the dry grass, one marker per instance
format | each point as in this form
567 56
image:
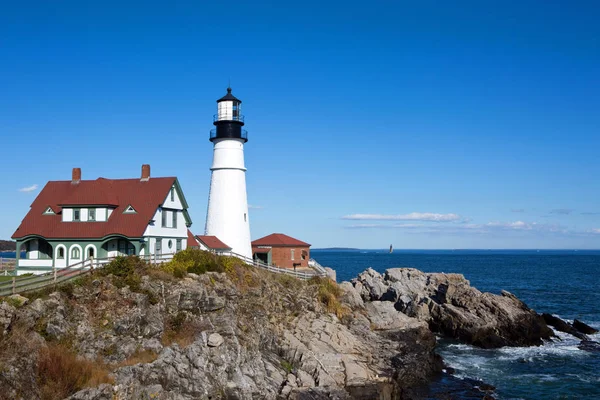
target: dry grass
140 357
329 293
179 329
61 373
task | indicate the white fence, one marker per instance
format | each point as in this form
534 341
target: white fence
278 270
59 275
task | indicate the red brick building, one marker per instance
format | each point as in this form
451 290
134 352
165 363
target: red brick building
281 250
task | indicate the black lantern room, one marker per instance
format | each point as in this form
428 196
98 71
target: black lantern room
229 119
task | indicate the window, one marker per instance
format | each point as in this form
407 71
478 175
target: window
90 252
129 210
173 194
174 219
158 246
76 214
75 253
245 217
292 251
92 214
178 248
164 218
45 250
61 253
304 254
125 247
49 211
170 244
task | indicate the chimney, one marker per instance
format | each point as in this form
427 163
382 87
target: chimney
145 173
76 176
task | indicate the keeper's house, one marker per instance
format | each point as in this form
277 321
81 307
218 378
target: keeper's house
281 250
72 221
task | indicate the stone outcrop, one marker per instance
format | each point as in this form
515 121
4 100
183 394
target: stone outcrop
584 328
248 334
451 306
204 336
563 326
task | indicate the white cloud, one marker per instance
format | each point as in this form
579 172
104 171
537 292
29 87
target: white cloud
415 216
517 225
487 228
28 189
252 207
596 231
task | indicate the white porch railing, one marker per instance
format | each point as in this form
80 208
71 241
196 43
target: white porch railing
278 270
28 262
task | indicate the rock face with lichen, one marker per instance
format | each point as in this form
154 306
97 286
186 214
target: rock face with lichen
246 335
451 306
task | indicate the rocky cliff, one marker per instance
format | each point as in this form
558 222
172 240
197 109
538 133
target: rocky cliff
246 334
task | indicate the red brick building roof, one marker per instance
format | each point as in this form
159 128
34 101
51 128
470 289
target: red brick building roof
191 240
144 196
212 242
279 240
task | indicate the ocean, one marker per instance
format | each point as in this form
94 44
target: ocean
565 283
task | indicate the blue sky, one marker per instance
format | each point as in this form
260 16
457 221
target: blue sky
461 124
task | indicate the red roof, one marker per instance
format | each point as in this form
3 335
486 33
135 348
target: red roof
144 196
279 239
212 242
191 240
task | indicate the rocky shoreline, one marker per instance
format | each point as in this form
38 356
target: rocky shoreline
248 334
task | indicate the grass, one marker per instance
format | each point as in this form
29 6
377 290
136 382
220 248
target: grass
329 293
140 357
61 373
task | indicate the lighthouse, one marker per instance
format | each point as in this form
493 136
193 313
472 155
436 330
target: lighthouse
227 216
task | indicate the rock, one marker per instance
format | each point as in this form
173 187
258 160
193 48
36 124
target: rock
7 313
215 340
589 345
305 379
351 296
384 316
449 305
584 328
331 274
563 326
17 300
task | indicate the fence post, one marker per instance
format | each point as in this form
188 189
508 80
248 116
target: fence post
13 284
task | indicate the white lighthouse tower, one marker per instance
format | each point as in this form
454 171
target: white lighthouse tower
227 216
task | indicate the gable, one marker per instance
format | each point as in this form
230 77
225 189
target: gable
49 211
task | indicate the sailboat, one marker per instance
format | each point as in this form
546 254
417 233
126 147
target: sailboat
391 249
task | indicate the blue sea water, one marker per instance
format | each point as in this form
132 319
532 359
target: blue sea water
565 283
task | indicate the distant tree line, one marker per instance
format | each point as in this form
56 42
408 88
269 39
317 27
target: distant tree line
8 245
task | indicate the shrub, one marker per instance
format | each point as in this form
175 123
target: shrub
122 266
126 272
194 261
60 373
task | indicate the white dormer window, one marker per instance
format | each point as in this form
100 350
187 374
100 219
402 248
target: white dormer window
92 214
129 210
49 211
